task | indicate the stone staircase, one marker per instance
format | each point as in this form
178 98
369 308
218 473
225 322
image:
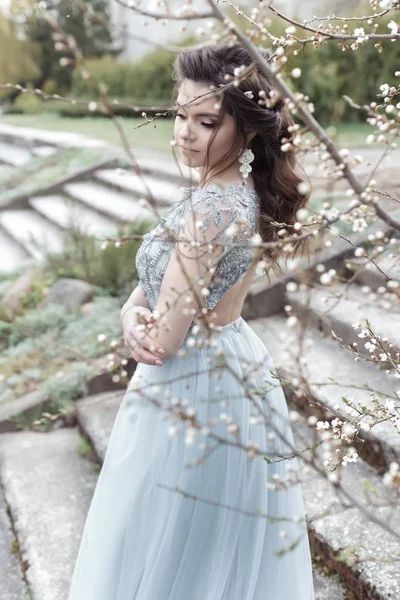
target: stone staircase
99 203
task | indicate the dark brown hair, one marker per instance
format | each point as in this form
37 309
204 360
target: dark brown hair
275 172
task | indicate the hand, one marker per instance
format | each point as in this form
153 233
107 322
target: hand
143 348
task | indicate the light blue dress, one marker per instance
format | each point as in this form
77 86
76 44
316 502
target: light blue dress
178 514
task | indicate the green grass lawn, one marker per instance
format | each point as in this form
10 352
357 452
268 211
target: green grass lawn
349 135
148 136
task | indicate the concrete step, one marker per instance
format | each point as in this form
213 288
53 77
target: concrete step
12 585
371 276
163 191
332 374
34 233
14 155
162 164
356 532
96 416
64 212
112 204
44 151
12 254
326 312
48 488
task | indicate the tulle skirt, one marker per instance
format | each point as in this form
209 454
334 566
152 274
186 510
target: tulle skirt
184 507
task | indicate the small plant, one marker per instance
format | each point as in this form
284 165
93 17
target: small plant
35 322
36 292
111 268
87 450
63 390
27 595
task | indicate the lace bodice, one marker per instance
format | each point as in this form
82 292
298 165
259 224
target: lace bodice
218 209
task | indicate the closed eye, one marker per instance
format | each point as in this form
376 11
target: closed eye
202 123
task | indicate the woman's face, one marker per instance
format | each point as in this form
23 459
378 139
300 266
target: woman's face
194 125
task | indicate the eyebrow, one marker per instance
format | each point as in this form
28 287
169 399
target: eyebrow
199 114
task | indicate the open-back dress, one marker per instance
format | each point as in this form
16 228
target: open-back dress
186 508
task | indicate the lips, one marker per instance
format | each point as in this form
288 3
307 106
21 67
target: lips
187 149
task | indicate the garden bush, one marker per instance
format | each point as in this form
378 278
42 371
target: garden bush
36 322
112 268
28 103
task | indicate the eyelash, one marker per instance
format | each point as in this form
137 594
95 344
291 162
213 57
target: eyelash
208 125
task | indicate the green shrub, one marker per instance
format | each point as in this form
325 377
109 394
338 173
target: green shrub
103 318
36 322
79 111
63 390
12 109
112 268
328 73
29 103
148 80
51 87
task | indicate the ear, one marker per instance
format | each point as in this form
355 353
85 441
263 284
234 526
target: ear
250 136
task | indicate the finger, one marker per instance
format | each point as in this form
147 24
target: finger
146 358
146 343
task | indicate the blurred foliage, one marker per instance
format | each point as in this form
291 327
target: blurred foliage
328 73
112 268
146 81
18 58
38 321
93 37
44 343
28 103
63 390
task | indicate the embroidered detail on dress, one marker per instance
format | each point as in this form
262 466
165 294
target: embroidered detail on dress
234 204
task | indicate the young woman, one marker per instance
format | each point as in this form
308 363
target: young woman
186 506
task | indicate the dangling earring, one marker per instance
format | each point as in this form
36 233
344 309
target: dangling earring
246 159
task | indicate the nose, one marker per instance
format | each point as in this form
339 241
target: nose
186 133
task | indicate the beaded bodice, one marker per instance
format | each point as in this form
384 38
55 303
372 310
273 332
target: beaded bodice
218 209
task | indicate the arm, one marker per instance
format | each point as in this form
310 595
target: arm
189 271
137 298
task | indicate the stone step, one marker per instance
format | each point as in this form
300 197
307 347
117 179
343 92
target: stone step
112 204
332 374
162 164
34 233
48 488
44 151
163 191
12 586
355 532
371 276
326 312
96 416
64 212
14 155
11 253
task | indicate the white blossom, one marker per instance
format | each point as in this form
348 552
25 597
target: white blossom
384 89
389 405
